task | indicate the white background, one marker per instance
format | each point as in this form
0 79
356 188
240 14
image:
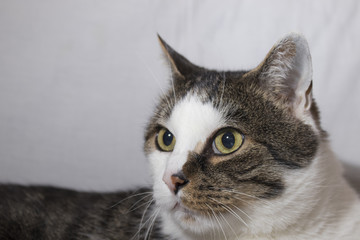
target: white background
79 78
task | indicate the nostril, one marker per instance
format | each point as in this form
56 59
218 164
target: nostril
179 181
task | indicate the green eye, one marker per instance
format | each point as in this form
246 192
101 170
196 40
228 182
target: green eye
165 140
227 141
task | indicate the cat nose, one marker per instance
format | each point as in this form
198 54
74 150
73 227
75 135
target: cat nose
178 181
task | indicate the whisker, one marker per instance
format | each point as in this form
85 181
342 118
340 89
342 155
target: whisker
214 214
173 86
242 211
247 195
232 212
135 195
202 233
151 226
139 206
222 92
154 77
259 199
213 233
141 225
132 206
235 234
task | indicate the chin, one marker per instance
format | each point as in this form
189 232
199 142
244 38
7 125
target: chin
188 220
185 217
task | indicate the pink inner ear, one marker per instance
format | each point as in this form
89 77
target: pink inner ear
308 97
287 72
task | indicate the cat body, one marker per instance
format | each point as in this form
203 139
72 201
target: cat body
48 213
234 155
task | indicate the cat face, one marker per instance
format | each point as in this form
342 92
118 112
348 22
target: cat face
221 143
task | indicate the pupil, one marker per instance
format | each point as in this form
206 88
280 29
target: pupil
167 138
228 140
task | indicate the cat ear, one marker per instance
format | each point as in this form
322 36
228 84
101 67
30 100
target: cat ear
180 66
287 72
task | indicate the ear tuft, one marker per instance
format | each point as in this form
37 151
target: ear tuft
287 72
180 66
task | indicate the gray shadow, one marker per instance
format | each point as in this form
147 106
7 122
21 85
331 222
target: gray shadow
352 175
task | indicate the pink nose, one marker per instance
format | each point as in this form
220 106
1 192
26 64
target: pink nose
175 182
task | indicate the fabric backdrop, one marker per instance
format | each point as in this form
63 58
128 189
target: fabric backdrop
79 78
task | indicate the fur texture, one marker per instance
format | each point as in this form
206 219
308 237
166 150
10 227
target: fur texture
47 213
282 183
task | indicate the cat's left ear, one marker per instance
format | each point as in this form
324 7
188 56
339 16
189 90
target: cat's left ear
180 66
287 73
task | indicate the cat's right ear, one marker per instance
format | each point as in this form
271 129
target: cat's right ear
180 66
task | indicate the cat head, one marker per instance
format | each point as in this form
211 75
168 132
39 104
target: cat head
221 144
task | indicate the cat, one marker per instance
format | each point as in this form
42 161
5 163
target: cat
243 156
233 155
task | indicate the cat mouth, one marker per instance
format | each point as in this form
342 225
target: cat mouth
184 214
181 209
176 206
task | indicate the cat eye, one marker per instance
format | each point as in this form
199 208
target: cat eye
165 140
227 141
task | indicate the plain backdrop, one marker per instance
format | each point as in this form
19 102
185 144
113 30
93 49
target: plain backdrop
79 78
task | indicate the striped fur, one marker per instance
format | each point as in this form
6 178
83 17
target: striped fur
251 193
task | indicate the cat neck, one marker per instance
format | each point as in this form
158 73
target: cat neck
321 203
